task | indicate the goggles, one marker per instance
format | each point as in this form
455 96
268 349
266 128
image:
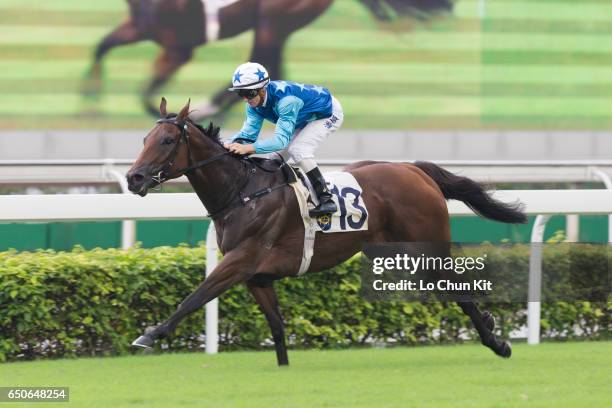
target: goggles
248 93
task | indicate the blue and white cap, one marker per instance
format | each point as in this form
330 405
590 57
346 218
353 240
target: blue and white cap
250 75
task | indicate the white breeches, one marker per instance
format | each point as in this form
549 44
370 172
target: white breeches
301 149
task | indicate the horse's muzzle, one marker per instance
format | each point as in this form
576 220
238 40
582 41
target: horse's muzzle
138 183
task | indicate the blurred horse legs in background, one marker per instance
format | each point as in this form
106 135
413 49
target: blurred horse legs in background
267 50
126 33
273 25
167 63
179 26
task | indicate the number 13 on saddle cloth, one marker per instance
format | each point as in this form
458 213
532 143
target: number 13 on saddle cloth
352 214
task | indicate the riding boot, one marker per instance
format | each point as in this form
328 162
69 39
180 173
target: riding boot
326 204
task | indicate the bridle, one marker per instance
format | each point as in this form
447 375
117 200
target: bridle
162 174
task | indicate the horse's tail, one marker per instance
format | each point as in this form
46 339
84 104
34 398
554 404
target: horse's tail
387 10
473 195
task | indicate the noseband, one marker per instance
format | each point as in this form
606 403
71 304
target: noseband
162 174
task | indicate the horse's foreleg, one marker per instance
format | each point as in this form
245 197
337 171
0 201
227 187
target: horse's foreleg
268 303
484 324
168 62
126 33
234 268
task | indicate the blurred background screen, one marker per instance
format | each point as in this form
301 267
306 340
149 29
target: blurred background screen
503 64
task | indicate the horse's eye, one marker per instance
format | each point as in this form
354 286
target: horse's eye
168 140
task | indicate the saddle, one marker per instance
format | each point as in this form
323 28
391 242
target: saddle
273 165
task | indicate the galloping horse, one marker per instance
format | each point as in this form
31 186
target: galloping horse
179 26
262 239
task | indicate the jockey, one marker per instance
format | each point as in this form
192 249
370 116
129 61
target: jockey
304 115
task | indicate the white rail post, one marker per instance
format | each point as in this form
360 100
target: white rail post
128 227
212 307
605 178
572 227
534 311
572 224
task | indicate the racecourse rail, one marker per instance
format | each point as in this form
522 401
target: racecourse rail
76 172
104 207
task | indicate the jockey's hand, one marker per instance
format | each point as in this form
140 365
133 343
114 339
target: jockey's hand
241 149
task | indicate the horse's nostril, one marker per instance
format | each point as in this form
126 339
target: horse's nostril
137 178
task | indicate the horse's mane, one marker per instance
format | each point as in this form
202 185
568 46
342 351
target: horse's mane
212 131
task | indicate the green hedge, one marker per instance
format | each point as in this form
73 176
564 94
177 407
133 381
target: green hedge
96 302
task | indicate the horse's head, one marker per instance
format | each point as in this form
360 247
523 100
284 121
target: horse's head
169 150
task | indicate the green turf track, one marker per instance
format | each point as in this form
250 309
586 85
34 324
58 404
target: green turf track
543 64
548 375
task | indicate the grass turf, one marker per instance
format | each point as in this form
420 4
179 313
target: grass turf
551 374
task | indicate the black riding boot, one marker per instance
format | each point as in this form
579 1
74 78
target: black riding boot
326 204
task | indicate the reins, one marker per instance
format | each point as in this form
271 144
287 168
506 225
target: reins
163 175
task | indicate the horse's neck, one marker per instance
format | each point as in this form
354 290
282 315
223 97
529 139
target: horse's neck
218 182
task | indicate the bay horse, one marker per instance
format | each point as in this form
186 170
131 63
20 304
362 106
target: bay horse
180 26
262 238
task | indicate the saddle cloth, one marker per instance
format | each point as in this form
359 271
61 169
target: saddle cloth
352 214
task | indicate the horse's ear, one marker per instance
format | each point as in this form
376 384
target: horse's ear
184 112
162 108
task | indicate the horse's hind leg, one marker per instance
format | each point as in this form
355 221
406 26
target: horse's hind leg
168 62
266 297
126 33
484 324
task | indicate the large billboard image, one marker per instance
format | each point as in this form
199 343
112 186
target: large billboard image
392 63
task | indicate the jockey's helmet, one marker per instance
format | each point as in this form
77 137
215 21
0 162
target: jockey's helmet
250 75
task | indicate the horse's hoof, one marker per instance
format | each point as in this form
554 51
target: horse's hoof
143 341
488 320
506 350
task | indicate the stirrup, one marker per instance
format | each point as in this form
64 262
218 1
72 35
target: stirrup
318 211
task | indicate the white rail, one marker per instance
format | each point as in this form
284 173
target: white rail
101 207
105 207
79 172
